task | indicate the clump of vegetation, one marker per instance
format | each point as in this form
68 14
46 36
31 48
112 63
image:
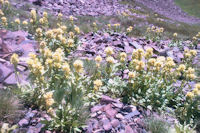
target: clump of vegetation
62 87
156 125
9 106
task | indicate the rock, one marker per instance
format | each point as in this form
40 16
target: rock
134 113
119 116
93 114
23 123
106 124
30 115
96 108
107 99
115 123
118 105
128 129
111 113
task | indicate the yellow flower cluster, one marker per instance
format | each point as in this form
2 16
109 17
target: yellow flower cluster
1 13
70 42
194 92
116 25
190 73
109 51
58 58
175 35
98 60
109 26
33 16
77 29
131 75
149 53
60 15
138 54
17 21
35 65
129 29
66 69
4 21
71 18
154 29
110 60
25 23
123 56
190 53
195 38
48 97
97 84
4 2
14 59
44 19
39 33
78 65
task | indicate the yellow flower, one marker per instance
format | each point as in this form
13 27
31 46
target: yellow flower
25 23
140 66
33 15
60 15
149 52
190 70
109 51
94 24
187 55
64 28
77 29
41 21
45 14
194 38
129 29
14 59
98 59
181 68
70 42
175 35
4 21
109 26
78 65
98 83
191 76
151 62
49 102
71 34
197 86
49 62
1 13
2 2
66 68
17 21
47 53
196 91
193 52
110 60
131 75
170 59
117 25
190 95
71 18
123 55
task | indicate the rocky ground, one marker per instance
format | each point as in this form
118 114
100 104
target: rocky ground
169 9
110 115
80 7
